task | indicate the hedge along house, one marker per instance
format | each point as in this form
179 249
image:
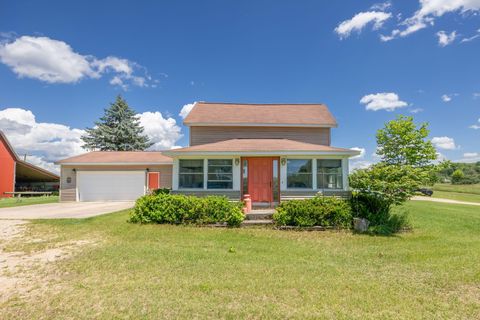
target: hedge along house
269 151
113 175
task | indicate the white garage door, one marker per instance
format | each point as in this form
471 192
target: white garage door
110 185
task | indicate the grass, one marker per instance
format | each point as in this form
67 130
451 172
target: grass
469 197
458 188
467 192
161 271
25 201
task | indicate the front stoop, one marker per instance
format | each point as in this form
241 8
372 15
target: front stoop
259 217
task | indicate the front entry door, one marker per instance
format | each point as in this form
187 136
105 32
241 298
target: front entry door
260 179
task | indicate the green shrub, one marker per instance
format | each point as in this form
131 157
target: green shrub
161 191
181 209
318 211
374 207
396 222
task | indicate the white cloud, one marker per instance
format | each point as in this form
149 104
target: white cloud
360 21
428 12
186 110
471 38
388 101
446 98
45 59
361 155
45 143
440 157
444 39
54 61
416 110
382 6
163 132
446 143
354 165
471 154
476 95
40 162
470 157
475 126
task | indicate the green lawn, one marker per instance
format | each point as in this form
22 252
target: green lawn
462 188
15 202
160 271
468 192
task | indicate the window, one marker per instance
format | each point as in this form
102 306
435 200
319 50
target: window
191 174
329 174
299 173
245 176
220 174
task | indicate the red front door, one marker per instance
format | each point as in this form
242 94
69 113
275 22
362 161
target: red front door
153 180
260 179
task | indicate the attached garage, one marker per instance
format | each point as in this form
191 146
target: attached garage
110 185
113 175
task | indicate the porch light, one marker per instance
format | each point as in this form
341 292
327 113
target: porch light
237 161
283 161
74 170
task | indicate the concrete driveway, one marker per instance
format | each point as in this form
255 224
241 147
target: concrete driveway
64 210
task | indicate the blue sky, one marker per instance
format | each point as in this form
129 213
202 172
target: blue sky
62 62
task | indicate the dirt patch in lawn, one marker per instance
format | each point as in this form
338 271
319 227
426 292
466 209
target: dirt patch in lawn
22 273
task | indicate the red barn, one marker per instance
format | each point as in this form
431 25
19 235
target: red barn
18 175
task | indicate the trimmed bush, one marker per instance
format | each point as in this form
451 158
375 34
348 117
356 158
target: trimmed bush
318 211
181 209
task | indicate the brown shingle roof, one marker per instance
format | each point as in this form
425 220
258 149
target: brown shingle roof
280 146
208 113
118 157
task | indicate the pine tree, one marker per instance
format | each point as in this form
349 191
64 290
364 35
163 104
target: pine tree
118 130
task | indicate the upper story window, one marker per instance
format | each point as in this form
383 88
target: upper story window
190 173
299 173
329 174
220 174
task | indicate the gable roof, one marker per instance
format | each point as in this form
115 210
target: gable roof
261 146
118 157
245 114
26 165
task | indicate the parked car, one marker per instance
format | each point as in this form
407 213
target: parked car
425 191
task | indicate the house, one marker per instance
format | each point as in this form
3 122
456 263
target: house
19 175
269 151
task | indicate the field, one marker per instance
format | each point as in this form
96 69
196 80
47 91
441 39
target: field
120 270
25 201
467 192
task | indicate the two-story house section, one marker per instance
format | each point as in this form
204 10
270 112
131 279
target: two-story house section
268 151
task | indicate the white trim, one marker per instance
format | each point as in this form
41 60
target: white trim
243 124
205 173
263 153
345 174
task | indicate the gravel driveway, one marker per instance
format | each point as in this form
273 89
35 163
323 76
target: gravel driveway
421 198
63 210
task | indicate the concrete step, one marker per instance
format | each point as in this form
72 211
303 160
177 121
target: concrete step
259 215
257 222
